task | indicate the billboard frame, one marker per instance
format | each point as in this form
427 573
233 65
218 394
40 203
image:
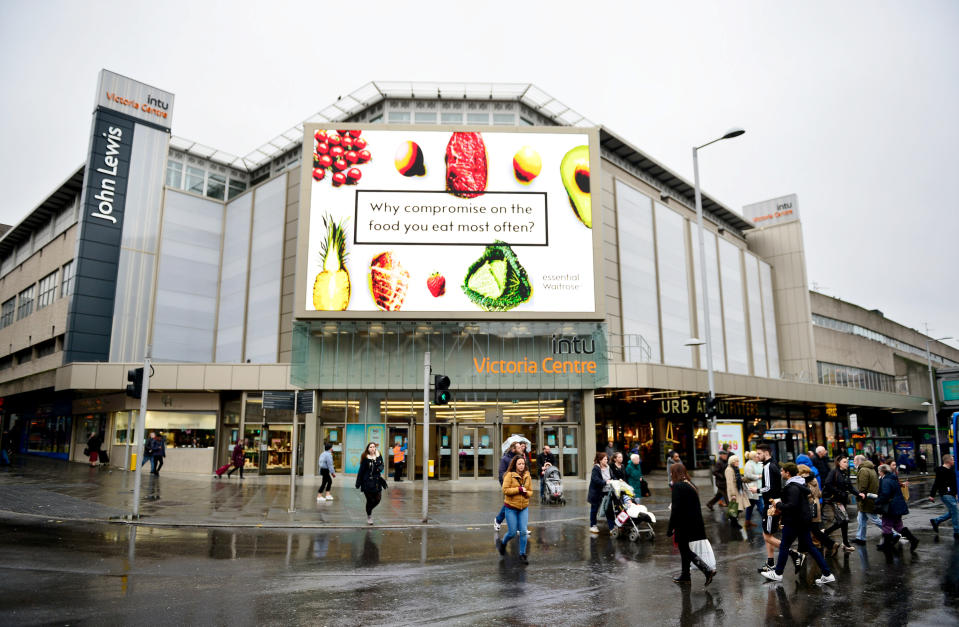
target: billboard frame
303 228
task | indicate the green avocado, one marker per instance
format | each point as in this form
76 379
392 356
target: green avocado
574 171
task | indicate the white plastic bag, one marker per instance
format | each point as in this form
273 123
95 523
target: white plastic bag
704 551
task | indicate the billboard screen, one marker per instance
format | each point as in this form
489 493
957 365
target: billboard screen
405 221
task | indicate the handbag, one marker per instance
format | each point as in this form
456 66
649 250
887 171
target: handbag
733 509
839 513
86 452
643 487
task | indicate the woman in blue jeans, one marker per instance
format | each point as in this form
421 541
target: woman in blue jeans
517 488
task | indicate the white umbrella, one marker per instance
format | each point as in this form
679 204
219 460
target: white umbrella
513 439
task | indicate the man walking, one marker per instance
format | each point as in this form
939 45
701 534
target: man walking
719 474
945 487
867 483
821 462
772 491
544 457
794 508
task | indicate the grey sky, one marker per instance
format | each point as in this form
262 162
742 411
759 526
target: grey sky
850 105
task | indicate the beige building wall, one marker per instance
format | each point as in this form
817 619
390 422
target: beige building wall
781 246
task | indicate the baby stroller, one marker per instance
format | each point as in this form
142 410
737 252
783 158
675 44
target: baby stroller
631 519
552 486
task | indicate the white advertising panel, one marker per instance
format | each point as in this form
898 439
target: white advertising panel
448 222
731 433
773 211
135 99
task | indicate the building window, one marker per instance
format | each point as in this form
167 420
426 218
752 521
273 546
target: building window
236 188
194 179
477 118
6 314
174 174
25 308
24 356
504 119
216 186
451 118
399 117
859 378
426 118
66 279
48 347
48 290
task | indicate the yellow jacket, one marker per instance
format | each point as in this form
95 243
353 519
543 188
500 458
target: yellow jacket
511 484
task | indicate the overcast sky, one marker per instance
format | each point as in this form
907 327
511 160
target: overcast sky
851 105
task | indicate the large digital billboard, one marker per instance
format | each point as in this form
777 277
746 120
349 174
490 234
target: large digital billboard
457 223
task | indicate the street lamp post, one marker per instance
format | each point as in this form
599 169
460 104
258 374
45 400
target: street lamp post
932 392
713 436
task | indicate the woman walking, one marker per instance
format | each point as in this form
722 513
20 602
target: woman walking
829 547
686 523
370 480
94 444
517 487
326 472
735 491
237 460
893 507
753 475
634 476
835 493
598 486
616 468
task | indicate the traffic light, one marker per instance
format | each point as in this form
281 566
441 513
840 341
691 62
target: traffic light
712 408
441 390
135 377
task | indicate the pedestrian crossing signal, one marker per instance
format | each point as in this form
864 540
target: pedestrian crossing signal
135 387
441 390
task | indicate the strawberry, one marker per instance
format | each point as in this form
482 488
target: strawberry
436 284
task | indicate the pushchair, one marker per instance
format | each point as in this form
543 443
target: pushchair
631 519
552 491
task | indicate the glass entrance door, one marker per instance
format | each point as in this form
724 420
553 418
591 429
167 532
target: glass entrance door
477 454
567 451
334 435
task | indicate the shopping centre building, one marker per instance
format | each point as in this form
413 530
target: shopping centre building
454 219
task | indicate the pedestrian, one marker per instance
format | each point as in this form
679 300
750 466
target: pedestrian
867 486
544 459
753 475
93 448
735 491
4 446
893 507
159 452
904 463
719 475
237 459
829 547
686 523
616 469
370 480
598 485
634 476
148 452
672 458
807 461
835 498
945 487
504 463
794 509
327 472
922 463
771 491
399 461
517 488
821 462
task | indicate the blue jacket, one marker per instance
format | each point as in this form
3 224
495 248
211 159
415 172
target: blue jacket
804 459
890 501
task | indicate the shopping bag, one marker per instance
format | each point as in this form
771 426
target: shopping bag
704 551
733 509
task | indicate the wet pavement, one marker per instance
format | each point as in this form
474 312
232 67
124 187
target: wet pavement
323 566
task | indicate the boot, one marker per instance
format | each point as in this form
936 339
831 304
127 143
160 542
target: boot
887 542
913 540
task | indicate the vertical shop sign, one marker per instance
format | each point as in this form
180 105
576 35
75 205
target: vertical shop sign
355 443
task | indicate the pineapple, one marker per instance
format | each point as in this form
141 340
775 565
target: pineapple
331 290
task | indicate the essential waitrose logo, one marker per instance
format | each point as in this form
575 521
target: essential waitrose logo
107 174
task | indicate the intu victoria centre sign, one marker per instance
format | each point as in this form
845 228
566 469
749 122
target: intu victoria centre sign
774 211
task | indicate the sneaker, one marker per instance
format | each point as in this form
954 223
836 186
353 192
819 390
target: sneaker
799 561
496 525
826 579
529 532
935 525
847 548
369 520
329 498
593 529
765 569
771 575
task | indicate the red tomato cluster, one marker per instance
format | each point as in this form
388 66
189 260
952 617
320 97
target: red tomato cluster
339 151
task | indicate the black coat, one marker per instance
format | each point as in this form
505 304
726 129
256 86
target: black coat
821 464
617 473
369 478
542 459
596 486
719 473
686 515
836 487
794 506
890 501
945 483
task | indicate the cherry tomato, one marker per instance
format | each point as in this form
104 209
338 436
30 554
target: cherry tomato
325 161
351 157
359 143
322 148
336 152
338 179
364 156
320 136
333 140
318 174
354 174
340 164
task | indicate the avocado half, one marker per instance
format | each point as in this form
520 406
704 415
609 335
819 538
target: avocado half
574 171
